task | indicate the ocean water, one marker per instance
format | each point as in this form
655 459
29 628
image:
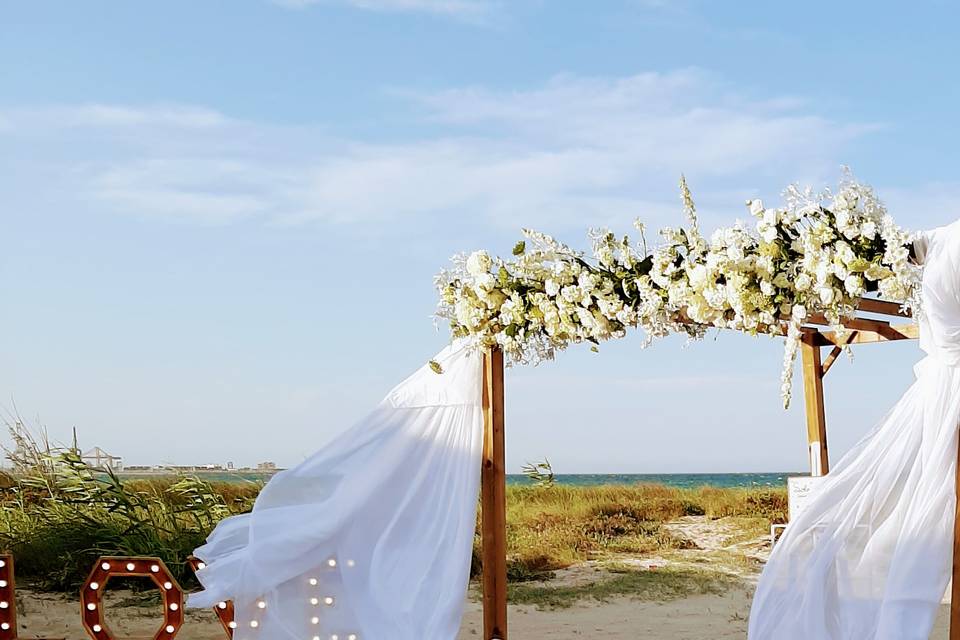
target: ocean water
683 480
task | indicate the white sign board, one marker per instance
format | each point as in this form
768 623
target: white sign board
800 489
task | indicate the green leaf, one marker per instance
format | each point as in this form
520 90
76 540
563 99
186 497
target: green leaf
435 366
519 248
644 266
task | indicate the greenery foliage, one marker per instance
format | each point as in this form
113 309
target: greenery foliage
57 515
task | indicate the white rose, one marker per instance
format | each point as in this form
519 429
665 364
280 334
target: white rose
756 207
827 294
485 281
479 263
768 233
799 312
697 276
854 285
570 294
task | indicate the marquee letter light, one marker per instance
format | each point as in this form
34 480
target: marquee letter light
91 595
8 599
223 610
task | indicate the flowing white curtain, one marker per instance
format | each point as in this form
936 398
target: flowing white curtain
371 537
870 557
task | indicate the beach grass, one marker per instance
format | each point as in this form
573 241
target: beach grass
56 533
57 516
658 586
550 528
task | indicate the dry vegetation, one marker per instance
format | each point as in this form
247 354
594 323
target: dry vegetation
58 515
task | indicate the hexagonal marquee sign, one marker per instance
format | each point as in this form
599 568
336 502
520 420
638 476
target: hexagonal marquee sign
91 595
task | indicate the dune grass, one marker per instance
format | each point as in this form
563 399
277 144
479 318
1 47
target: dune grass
549 528
57 516
658 586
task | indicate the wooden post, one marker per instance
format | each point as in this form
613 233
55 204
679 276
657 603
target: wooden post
955 589
813 397
493 501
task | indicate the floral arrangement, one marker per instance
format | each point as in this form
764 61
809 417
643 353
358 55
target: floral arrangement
818 253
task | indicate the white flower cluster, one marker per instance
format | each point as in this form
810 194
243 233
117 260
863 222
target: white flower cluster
817 254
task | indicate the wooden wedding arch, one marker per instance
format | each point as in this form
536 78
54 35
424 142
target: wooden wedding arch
876 321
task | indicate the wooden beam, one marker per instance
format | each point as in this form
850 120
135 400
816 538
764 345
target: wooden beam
835 353
859 324
813 398
891 333
955 589
872 305
493 501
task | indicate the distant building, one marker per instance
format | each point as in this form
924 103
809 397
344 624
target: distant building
230 466
97 457
266 466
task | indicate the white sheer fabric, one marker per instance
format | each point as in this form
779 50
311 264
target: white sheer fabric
371 537
870 557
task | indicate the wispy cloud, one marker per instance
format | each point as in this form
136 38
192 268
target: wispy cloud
576 150
461 9
111 116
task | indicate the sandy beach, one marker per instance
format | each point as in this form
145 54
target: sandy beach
713 606
702 617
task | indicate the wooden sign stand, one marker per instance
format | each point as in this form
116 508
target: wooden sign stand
861 330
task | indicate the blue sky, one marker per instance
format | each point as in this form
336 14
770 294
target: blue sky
220 220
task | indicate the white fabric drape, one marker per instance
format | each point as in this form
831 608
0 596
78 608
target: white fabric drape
371 537
869 558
